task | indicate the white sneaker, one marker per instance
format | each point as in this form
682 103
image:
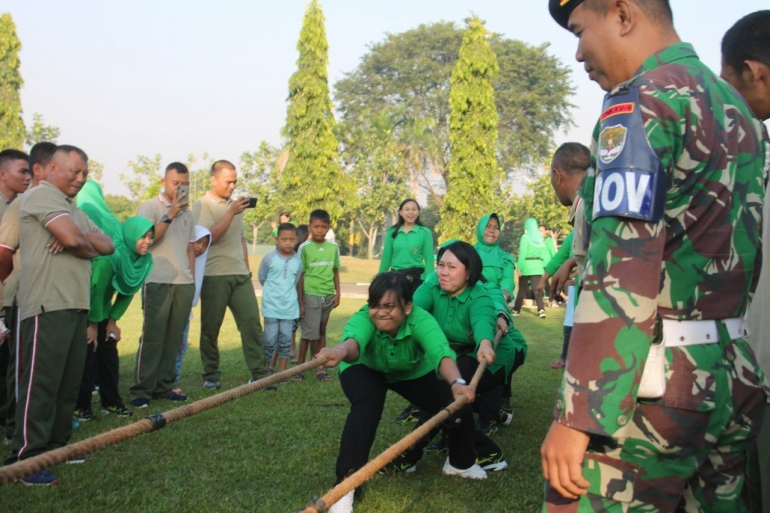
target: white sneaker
473 472
344 505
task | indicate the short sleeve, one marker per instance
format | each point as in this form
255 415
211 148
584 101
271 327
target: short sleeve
9 229
46 204
359 328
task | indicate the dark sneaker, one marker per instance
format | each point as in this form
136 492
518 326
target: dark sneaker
441 445
212 384
493 462
83 415
118 411
77 460
410 414
42 478
268 388
140 403
398 466
505 417
487 427
174 396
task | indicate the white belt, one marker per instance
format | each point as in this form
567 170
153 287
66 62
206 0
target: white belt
688 333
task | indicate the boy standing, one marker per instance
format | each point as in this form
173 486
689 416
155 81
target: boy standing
318 289
278 274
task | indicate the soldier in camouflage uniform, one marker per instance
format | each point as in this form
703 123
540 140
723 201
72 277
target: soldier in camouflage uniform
673 205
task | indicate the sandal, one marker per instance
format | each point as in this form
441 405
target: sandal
558 364
298 377
322 376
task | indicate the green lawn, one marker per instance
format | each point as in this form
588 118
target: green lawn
352 269
271 451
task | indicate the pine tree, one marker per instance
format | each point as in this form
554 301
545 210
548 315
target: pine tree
12 129
312 177
474 174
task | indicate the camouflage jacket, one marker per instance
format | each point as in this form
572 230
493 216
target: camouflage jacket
679 239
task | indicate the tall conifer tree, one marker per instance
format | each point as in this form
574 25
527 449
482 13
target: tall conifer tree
474 174
312 177
12 129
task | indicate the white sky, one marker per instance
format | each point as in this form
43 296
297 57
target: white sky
122 79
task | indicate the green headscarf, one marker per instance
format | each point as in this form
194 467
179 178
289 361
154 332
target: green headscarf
129 269
532 233
492 255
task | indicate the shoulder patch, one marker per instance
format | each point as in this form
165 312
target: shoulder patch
611 142
633 193
617 109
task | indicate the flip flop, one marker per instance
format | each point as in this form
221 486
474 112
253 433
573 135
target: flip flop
558 364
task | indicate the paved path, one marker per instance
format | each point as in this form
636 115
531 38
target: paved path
349 290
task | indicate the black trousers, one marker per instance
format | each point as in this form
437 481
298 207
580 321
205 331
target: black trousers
489 390
518 361
366 389
102 367
528 284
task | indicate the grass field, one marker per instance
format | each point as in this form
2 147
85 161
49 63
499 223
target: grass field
270 451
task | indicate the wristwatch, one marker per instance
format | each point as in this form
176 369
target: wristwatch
461 381
166 219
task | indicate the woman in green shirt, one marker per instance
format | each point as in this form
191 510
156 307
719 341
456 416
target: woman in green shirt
114 281
498 264
390 344
408 245
533 255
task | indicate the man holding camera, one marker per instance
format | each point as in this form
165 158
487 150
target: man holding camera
168 293
227 279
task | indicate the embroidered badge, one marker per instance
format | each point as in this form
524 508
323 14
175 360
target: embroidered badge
611 142
615 110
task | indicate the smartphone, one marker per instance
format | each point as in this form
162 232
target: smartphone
184 191
252 203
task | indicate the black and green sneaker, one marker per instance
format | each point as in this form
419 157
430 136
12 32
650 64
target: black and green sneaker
83 415
410 414
493 462
398 466
119 411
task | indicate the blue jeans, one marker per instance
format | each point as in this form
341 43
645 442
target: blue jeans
278 333
180 355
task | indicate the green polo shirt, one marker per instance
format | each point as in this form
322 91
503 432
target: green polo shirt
417 348
408 250
318 264
225 256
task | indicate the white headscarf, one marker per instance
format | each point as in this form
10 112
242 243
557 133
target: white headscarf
200 261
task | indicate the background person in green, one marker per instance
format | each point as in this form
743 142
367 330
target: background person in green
498 264
746 66
114 281
673 201
390 344
533 254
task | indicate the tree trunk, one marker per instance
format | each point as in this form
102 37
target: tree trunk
372 240
352 236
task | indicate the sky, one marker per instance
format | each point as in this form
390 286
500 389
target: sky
175 77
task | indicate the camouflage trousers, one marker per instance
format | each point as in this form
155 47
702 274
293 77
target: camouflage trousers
686 450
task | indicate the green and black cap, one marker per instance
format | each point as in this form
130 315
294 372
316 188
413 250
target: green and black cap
561 9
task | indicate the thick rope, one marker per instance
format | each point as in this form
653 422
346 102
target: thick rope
20 469
364 473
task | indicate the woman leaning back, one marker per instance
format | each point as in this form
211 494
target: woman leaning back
390 344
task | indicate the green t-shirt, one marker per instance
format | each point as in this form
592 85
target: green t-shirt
102 293
318 264
417 349
408 250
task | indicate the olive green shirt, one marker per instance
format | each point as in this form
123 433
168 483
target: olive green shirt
225 256
9 239
417 348
169 253
50 282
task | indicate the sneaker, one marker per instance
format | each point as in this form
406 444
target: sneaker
83 415
140 403
493 462
268 388
344 505
298 377
118 411
410 414
472 472
77 460
212 384
42 478
442 445
397 466
516 313
541 313
505 417
173 396
487 427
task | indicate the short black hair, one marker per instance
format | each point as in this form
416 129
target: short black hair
285 227
219 165
572 158
302 233
68 148
657 10
321 215
287 214
41 153
748 40
10 155
390 281
468 256
178 167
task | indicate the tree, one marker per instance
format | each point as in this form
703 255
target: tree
312 177
144 180
200 174
95 170
539 202
474 177
258 178
412 70
12 130
40 132
378 165
120 206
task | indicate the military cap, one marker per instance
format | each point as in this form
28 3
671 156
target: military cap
561 9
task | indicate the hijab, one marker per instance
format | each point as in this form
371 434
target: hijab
532 233
200 261
492 255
